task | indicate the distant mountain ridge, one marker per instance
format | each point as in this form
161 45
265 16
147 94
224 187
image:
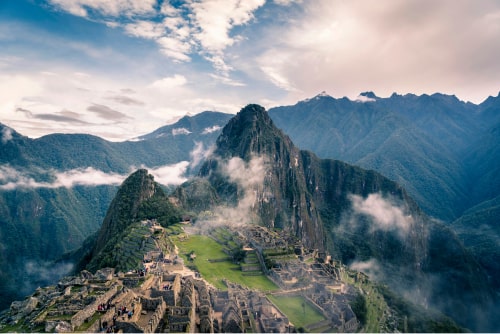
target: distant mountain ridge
419 141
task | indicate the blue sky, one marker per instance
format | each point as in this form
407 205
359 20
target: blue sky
122 68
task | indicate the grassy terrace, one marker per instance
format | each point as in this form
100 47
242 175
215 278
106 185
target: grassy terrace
297 309
206 249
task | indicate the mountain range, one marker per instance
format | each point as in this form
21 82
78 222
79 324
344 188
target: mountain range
431 145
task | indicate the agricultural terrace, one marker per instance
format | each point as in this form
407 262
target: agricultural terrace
214 265
298 310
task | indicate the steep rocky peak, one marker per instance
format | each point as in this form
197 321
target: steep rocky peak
248 133
137 188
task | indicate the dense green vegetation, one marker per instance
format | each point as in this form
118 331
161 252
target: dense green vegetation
38 226
432 145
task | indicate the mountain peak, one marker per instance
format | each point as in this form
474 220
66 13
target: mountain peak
251 131
367 97
138 187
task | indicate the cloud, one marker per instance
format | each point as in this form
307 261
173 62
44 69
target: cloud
175 48
227 80
88 177
6 134
180 131
145 29
11 178
286 2
246 174
211 129
277 78
14 178
201 27
171 174
249 177
169 82
126 100
42 273
384 214
364 98
199 153
107 113
215 19
371 267
85 8
411 46
59 118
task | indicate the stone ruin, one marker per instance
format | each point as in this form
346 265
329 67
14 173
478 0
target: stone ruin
169 300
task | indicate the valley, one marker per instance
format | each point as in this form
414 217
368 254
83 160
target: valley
300 224
231 280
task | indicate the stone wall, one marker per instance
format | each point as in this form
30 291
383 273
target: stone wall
128 327
132 282
90 309
254 267
159 307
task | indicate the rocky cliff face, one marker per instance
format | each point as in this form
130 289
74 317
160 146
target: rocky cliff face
359 216
270 177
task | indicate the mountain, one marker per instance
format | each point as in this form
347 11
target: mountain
139 197
139 268
167 145
443 151
44 215
358 216
421 142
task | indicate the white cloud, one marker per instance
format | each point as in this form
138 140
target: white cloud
371 267
199 153
277 78
204 27
170 174
6 134
211 129
107 7
410 46
145 29
363 99
169 82
175 48
14 178
88 177
385 215
249 176
227 80
180 131
246 174
215 19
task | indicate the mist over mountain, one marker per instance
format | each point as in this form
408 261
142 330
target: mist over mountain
55 190
356 215
441 151
436 146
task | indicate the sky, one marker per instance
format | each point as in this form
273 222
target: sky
119 69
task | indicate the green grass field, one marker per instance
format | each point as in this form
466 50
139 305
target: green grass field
206 249
297 309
